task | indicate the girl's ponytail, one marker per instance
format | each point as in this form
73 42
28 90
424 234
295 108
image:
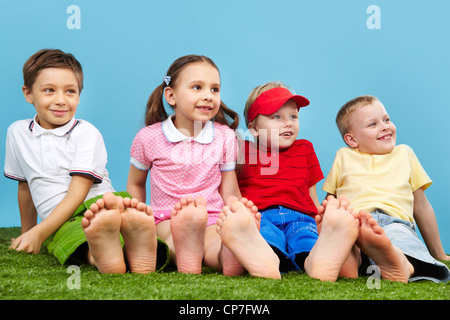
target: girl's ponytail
155 111
227 116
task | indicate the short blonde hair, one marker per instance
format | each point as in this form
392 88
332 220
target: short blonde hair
343 115
256 92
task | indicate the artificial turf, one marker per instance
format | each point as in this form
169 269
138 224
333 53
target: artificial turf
41 277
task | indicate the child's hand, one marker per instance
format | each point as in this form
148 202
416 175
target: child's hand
29 242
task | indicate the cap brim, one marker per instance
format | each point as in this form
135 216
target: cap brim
273 99
300 100
274 104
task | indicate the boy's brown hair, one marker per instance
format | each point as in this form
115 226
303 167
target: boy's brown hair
50 58
343 115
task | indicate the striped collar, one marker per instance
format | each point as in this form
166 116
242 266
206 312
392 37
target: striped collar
36 129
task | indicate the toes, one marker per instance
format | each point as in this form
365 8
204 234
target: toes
189 201
149 210
182 203
230 200
235 206
127 202
88 214
134 202
220 219
94 207
85 222
177 206
343 204
110 201
199 201
332 202
225 212
100 204
140 206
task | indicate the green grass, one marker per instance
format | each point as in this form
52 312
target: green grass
41 277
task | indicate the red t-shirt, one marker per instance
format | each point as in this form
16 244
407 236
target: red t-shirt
281 179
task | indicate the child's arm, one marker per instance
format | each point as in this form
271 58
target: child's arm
426 221
136 183
229 186
313 195
31 240
28 213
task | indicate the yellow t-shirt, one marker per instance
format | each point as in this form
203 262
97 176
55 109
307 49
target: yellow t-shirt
371 182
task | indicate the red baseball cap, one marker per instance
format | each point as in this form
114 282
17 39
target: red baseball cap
273 99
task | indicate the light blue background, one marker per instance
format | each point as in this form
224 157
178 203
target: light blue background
322 49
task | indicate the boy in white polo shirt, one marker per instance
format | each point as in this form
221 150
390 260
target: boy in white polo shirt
60 164
389 182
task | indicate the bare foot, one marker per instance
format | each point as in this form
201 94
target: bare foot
241 236
351 265
252 209
230 265
101 225
373 241
321 210
188 225
139 234
339 230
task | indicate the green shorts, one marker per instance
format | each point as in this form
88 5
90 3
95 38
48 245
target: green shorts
69 240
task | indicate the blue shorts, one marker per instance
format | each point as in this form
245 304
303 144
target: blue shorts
290 233
403 235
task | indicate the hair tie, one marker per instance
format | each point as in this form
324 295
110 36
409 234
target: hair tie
167 79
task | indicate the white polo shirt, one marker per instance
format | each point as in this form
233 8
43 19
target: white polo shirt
47 159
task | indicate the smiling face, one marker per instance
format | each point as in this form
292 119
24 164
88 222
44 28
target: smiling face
370 130
195 95
279 129
55 96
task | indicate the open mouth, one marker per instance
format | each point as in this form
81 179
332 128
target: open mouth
286 134
386 137
204 108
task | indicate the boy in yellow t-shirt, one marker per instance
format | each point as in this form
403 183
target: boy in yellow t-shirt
389 182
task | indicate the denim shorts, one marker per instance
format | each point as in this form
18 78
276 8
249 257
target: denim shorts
403 235
290 233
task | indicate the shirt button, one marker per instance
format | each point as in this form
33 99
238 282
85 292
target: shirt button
162 215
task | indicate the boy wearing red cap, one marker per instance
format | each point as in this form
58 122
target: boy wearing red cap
279 175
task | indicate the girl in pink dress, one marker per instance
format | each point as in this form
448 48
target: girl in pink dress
191 157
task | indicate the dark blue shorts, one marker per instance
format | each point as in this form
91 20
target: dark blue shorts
290 233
